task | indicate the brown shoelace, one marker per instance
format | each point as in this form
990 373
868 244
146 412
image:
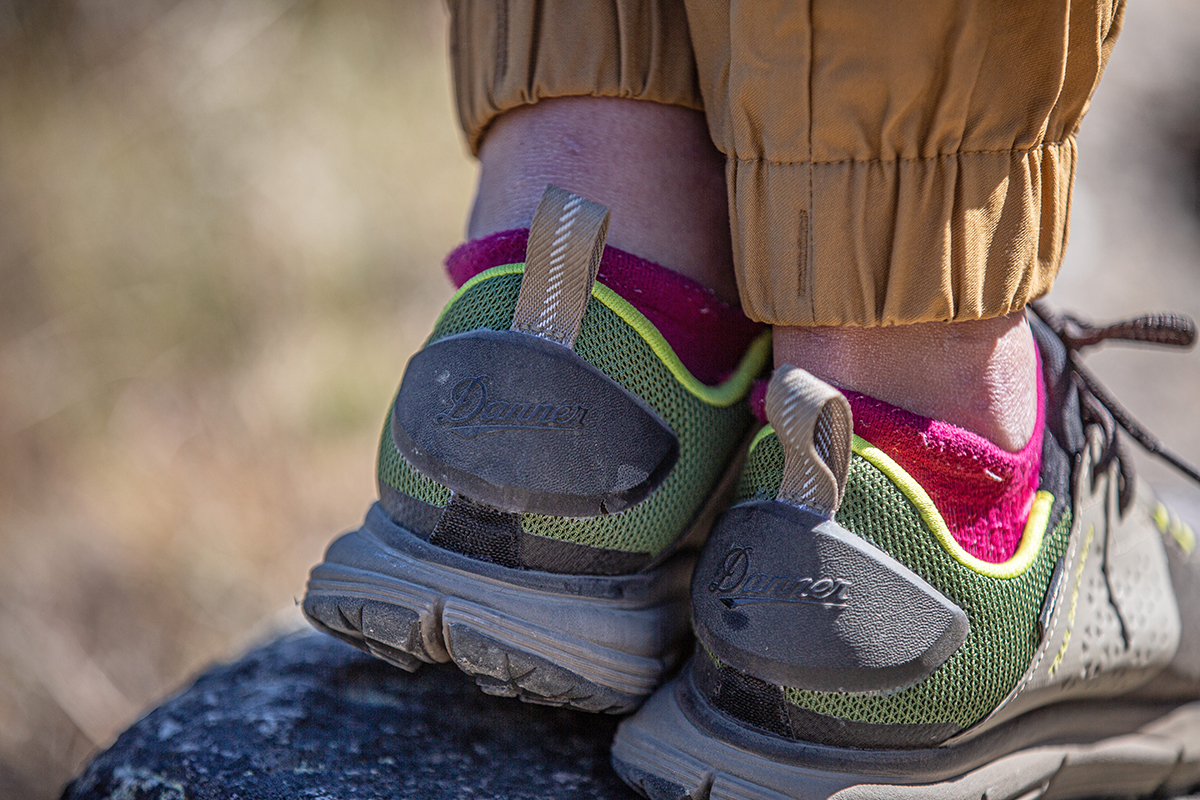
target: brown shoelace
1098 406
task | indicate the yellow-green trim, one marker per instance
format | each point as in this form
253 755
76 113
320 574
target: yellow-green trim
725 394
1162 518
763 432
1062 650
1169 522
1185 536
1031 538
487 274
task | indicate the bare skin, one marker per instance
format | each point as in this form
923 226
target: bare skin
980 375
653 165
657 169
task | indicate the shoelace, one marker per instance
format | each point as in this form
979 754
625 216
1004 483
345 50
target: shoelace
1100 407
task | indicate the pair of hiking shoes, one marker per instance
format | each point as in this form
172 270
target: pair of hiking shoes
549 479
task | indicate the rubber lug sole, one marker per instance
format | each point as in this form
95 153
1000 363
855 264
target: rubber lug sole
662 754
596 644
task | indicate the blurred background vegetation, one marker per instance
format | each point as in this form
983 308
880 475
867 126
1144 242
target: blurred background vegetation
221 229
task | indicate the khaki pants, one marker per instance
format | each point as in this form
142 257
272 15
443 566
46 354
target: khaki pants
889 161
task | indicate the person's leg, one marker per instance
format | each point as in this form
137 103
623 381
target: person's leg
601 99
891 165
652 164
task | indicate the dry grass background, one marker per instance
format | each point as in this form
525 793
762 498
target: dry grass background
221 224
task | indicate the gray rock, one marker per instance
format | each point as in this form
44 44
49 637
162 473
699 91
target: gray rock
308 717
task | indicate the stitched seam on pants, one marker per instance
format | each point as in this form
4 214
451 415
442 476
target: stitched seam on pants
501 42
937 157
805 290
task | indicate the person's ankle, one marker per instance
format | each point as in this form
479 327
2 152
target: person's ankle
653 165
979 375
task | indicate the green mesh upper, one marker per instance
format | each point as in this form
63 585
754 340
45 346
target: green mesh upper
1002 612
708 435
394 470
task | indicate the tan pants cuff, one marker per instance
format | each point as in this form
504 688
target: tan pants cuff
508 53
901 241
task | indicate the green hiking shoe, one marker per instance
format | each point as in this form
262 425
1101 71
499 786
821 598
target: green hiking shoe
546 475
848 647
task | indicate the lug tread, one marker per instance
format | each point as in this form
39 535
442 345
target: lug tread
656 787
406 638
503 670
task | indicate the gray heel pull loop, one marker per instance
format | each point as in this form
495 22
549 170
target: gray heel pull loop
566 241
814 425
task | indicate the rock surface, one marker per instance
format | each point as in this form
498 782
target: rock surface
309 717
306 716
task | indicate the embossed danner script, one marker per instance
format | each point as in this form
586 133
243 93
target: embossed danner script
740 586
474 412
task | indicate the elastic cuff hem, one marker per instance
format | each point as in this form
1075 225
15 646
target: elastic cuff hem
513 53
943 239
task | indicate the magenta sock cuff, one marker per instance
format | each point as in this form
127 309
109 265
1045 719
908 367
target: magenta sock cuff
477 255
982 491
709 335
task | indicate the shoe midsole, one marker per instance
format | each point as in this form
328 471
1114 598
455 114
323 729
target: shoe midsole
1080 722
665 740
679 737
617 631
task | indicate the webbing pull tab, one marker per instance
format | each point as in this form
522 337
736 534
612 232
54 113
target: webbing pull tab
566 241
814 425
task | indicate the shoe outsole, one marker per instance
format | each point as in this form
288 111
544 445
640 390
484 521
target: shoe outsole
662 754
598 644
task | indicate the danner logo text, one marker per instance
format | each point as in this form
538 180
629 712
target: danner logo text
475 413
739 586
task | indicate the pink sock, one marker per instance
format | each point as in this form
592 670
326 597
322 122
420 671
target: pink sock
709 335
982 491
